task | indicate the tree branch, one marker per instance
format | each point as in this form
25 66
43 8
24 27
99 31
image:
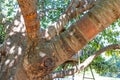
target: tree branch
75 8
15 47
68 43
2 50
84 30
63 73
31 19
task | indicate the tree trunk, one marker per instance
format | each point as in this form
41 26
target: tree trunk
33 61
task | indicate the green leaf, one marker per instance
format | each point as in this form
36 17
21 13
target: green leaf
108 53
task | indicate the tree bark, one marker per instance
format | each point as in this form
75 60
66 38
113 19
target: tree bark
31 19
15 47
37 61
85 29
84 64
75 8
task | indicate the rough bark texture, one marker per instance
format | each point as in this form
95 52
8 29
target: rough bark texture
31 19
15 47
33 60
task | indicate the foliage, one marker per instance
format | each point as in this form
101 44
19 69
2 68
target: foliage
2 34
51 9
8 9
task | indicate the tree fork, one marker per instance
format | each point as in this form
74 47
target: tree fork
65 45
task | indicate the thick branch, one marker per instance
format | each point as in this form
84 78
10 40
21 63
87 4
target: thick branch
85 29
80 33
74 9
29 12
15 48
61 74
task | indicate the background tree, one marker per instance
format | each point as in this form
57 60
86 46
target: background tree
30 53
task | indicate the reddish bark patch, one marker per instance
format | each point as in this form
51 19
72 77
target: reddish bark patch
87 27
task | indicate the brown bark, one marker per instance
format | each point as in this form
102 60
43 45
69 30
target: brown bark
75 8
31 19
40 60
14 46
2 50
85 29
84 64
64 46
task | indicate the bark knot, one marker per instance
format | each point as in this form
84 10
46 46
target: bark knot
49 63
